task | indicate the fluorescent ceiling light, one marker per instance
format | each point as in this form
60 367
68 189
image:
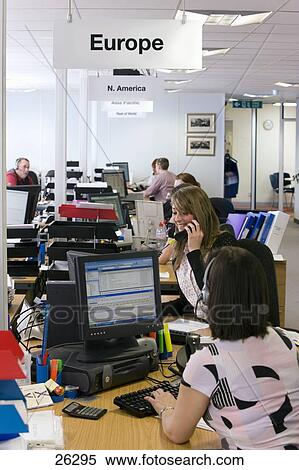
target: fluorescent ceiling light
250 19
232 99
230 18
283 84
286 105
172 91
189 15
250 95
207 52
177 82
220 19
286 84
181 70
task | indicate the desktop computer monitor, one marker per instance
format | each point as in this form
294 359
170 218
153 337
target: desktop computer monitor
110 198
116 179
119 298
124 166
149 214
16 207
33 192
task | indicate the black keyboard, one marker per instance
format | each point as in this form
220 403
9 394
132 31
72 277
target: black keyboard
135 404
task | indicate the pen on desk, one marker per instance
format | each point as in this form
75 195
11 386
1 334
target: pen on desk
45 333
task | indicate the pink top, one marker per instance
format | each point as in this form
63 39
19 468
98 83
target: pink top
253 387
161 186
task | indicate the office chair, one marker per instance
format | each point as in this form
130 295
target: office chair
264 254
34 177
222 207
228 228
274 180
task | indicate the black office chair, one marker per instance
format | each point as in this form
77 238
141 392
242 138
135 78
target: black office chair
264 254
287 188
222 207
34 177
227 228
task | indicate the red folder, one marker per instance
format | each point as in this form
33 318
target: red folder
71 211
10 367
9 343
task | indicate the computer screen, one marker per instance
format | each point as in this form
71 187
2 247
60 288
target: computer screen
119 295
33 192
149 214
124 166
16 207
82 190
110 198
116 179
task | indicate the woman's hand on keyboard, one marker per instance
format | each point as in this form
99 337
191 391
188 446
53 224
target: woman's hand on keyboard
161 399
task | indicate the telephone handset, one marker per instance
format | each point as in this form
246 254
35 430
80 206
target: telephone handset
182 235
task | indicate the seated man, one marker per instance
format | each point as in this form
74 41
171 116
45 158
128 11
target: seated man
163 183
20 174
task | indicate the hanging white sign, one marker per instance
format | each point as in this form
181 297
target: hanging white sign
128 106
98 44
126 114
124 88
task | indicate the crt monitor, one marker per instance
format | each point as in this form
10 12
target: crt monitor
124 166
116 179
119 298
32 200
110 198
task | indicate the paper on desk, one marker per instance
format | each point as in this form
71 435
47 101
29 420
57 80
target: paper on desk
278 258
36 396
45 431
164 275
186 326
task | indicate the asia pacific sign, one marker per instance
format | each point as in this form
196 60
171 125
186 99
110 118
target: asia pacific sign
124 88
127 44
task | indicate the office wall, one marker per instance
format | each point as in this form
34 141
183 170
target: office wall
163 133
31 129
267 148
31 132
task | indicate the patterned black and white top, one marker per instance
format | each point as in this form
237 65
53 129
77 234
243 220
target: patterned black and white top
253 387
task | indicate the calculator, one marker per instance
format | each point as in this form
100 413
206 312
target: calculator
76 410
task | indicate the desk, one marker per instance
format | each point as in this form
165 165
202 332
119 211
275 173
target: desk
16 305
168 285
118 430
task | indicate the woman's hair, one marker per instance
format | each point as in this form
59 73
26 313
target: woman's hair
238 300
193 200
154 165
187 178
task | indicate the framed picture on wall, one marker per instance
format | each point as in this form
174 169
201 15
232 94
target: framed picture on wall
201 123
196 145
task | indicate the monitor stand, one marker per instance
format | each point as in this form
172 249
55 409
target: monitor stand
103 350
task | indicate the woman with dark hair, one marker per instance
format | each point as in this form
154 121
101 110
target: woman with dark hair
193 212
186 178
245 384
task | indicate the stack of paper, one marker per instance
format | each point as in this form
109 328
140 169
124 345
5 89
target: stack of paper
13 410
10 289
45 431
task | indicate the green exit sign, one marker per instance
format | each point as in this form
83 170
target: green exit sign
247 104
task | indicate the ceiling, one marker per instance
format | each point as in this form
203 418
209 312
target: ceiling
259 56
